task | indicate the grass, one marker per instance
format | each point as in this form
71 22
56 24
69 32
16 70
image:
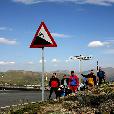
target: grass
84 103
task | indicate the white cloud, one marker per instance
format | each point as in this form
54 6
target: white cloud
5 28
2 28
28 1
41 61
94 44
6 62
95 2
55 60
30 62
67 61
7 41
60 35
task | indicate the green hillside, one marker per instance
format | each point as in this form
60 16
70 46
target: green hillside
20 77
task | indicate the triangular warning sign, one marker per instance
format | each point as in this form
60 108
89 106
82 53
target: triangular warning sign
43 38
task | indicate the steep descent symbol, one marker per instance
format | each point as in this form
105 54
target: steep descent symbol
41 35
43 38
40 40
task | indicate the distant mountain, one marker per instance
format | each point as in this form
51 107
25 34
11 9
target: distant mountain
109 73
21 77
62 71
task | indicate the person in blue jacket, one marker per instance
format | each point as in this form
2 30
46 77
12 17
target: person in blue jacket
101 76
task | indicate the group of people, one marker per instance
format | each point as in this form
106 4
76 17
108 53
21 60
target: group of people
66 86
71 84
91 80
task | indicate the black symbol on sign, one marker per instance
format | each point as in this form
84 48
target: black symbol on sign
41 35
39 40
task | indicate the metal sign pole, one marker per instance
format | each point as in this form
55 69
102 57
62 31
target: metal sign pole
97 66
80 70
80 66
43 74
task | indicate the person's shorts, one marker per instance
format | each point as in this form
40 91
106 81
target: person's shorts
91 84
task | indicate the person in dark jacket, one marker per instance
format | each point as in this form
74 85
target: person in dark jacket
101 76
54 84
91 78
65 83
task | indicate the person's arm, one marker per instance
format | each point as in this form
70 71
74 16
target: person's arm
84 75
62 82
67 81
77 80
58 82
50 83
104 73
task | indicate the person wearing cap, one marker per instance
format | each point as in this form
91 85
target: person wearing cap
73 82
91 78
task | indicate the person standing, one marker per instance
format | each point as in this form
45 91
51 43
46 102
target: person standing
91 79
73 82
54 84
55 74
101 76
64 83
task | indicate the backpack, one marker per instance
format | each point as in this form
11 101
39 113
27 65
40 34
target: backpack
73 81
54 83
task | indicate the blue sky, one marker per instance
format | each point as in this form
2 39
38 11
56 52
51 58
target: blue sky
78 26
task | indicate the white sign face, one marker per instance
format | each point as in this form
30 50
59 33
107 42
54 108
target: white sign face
43 34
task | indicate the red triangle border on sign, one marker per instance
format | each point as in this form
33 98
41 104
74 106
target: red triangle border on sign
42 46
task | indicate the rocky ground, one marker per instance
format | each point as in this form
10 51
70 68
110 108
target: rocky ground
100 100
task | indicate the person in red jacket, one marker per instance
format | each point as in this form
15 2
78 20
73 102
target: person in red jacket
54 84
73 82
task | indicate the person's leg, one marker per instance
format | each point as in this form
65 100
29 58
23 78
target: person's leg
71 88
100 81
51 91
90 86
104 79
69 91
56 92
64 91
95 82
75 89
